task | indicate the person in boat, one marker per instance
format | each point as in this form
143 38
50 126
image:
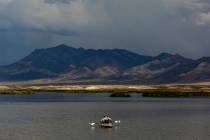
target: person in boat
106 119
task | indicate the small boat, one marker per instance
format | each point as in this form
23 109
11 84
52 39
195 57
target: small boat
106 122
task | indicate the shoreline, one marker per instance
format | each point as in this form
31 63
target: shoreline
148 90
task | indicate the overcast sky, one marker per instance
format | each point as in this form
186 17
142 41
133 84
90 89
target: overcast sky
144 26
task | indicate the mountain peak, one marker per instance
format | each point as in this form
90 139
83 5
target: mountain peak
58 47
207 59
62 46
163 55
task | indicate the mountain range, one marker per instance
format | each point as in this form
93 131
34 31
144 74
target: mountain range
65 63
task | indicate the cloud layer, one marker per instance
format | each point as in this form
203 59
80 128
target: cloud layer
49 15
147 27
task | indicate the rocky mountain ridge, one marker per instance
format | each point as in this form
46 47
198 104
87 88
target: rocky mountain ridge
66 63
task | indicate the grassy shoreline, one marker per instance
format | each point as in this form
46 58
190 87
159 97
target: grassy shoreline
16 92
145 90
166 94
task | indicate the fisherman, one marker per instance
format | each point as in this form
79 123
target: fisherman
106 119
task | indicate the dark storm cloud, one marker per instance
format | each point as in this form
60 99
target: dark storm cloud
31 30
147 27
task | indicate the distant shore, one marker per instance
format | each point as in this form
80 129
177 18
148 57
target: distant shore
167 90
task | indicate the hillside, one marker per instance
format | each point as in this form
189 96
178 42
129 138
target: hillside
64 63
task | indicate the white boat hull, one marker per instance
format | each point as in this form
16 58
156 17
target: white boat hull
106 125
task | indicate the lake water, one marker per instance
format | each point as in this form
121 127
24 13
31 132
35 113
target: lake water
54 116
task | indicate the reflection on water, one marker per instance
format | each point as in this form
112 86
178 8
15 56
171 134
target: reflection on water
67 117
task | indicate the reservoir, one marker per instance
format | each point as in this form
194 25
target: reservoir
62 116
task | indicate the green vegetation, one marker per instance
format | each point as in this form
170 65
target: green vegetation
120 94
83 90
116 90
16 92
177 94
